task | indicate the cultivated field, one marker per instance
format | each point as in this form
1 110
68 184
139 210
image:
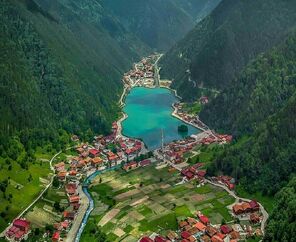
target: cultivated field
23 186
148 200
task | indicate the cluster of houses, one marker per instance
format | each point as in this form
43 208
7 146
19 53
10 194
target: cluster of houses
250 209
134 164
194 172
69 214
142 74
188 118
175 151
228 181
107 152
198 229
19 230
201 229
69 174
196 122
216 138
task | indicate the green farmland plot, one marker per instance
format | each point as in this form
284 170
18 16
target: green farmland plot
148 200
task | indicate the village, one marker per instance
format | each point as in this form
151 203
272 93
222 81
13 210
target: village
129 154
144 73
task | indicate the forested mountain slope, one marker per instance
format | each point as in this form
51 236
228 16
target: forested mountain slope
260 106
282 223
61 66
264 161
159 23
261 90
220 46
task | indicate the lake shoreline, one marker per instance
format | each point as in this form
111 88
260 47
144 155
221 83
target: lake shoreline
151 110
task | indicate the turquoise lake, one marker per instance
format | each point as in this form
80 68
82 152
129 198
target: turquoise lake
149 111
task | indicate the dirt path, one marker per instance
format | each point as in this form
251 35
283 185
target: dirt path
41 193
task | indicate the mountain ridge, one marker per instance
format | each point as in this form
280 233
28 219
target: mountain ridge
219 47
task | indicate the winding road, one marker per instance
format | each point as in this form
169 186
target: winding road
231 193
41 193
262 209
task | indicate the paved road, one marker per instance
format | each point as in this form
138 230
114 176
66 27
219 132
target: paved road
41 194
231 193
262 209
156 72
84 202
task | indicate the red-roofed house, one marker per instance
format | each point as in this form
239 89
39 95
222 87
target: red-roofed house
73 173
69 215
112 156
22 224
65 225
254 205
62 175
182 224
254 218
71 188
55 236
201 173
159 238
246 207
146 239
130 166
60 166
205 220
74 199
211 231
93 153
18 230
187 173
75 205
145 162
97 161
200 226
216 238
230 186
185 235
225 229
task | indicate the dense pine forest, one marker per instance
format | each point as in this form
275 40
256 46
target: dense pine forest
75 89
220 46
282 221
160 23
60 73
261 90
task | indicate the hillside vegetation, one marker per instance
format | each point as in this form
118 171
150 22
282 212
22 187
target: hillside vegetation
70 66
259 107
282 223
159 23
220 46
60 72
261 90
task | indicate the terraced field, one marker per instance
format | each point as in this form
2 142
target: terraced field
146 200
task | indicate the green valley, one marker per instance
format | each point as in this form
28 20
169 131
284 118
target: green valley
147 120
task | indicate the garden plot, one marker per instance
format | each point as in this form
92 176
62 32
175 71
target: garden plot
148 200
